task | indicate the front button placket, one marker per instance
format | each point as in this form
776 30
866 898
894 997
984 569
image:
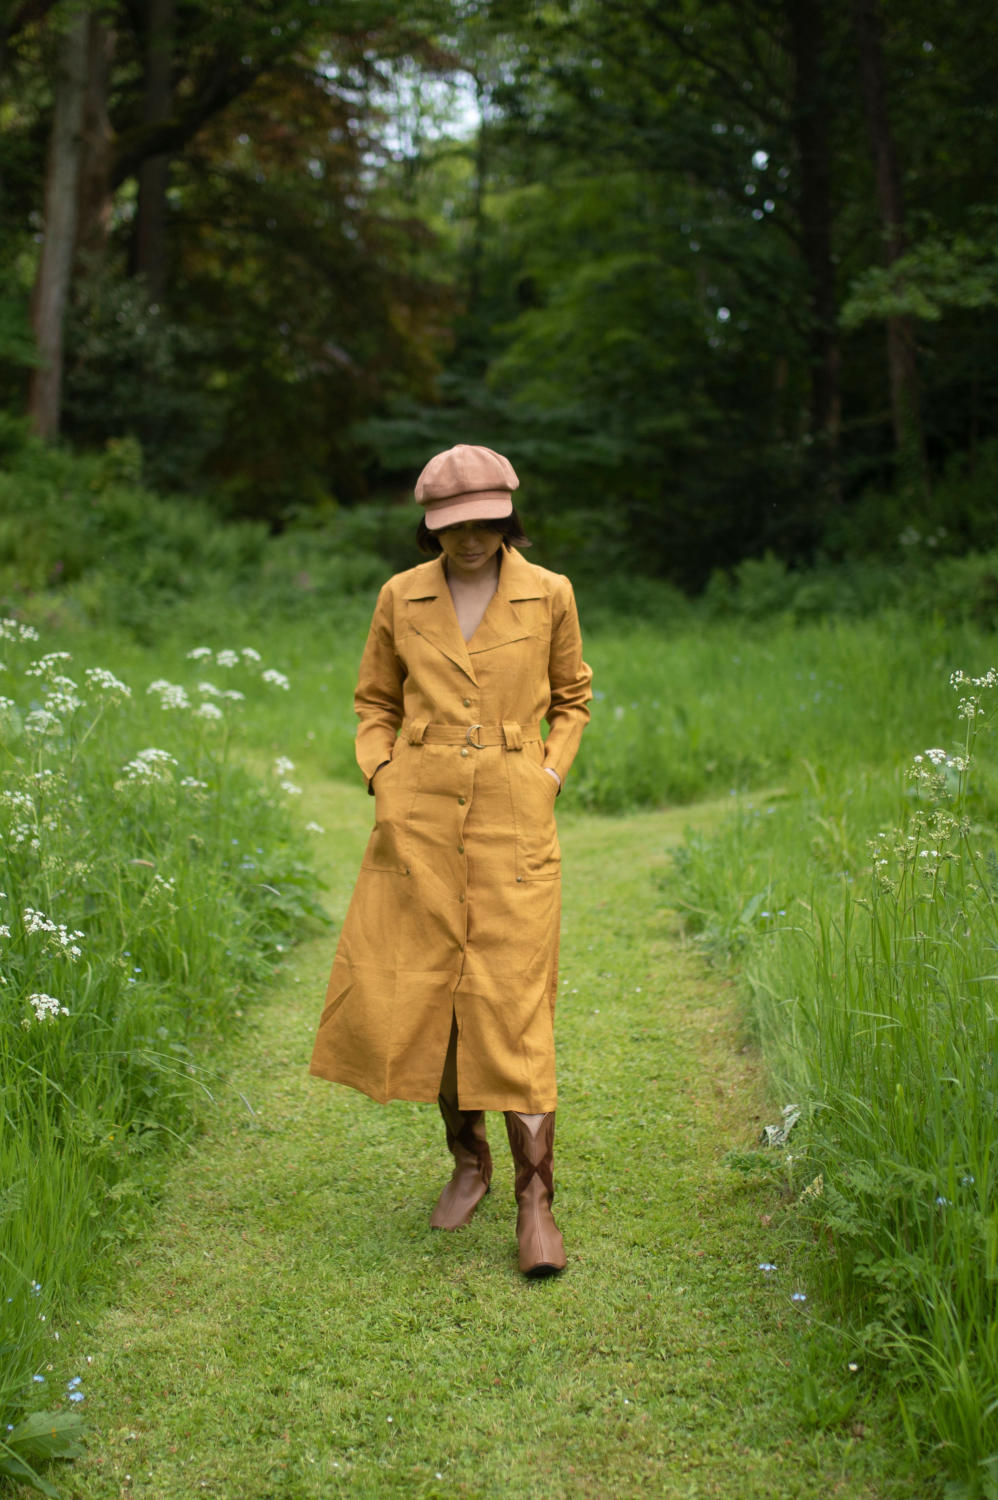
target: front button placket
464 766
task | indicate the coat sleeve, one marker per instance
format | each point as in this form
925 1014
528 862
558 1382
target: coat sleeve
378 698
569 678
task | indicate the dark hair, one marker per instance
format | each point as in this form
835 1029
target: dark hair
510 528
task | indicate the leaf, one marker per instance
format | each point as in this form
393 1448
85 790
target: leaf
12 1467
47 1434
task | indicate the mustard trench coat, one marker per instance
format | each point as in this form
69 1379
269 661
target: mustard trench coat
456 911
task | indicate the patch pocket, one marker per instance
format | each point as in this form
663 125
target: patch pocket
538 853
394 790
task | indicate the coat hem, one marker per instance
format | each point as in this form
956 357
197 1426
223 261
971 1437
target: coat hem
498 1103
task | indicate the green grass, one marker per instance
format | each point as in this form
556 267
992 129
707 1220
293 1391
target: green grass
290 1326
860 910
829 712
149 883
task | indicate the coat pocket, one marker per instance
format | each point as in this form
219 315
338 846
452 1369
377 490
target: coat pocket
388 846
538 853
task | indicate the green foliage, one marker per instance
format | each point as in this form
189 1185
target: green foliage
149 885
861 912
934 277
135 373
35 1439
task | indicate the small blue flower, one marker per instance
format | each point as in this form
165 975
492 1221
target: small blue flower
76 1396
967 1181
76 1380
766 1265
798 1296
38 1379
942 1202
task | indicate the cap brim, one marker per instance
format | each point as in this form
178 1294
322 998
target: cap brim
484 505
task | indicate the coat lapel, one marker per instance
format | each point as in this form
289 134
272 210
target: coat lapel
431 615
503 622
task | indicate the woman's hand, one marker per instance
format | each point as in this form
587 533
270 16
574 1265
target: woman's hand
370 784
549 769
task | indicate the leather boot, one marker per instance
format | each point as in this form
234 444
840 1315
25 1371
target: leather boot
542 1251
467 1143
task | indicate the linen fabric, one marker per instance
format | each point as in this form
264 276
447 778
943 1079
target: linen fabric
457 906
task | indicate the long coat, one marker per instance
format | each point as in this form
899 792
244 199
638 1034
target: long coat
457 907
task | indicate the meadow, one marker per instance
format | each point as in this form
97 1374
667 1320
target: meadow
155 734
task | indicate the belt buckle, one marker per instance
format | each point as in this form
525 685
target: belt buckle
475 744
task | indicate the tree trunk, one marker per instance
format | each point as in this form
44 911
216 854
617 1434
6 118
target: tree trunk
901 356
814 207
149 247
60 210
94 194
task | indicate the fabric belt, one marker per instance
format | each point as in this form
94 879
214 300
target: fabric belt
479 736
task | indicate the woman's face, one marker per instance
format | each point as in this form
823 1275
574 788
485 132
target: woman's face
469 547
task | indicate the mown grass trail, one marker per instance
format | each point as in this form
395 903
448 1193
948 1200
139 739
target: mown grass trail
291 1328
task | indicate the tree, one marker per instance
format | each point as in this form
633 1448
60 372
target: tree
60 219
901 356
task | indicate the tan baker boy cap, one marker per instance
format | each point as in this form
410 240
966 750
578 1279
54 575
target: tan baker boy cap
466 484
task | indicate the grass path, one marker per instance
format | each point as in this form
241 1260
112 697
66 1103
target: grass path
290 1328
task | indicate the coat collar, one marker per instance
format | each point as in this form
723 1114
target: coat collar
432 614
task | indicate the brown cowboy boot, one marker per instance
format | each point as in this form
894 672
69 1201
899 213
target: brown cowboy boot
542 1251
467 1143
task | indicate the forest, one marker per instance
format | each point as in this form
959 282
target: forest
722 278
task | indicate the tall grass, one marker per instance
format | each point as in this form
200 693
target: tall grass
147 882
869 952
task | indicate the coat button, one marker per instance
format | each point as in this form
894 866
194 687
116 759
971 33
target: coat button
519 879
464 752
460 898
460 848
467 702
460 801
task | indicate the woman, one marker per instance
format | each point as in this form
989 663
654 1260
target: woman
445 976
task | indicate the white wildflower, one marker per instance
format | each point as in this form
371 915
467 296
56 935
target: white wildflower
208 711
283 766
59 934
171 694
209 690
248 654
290 788
15 798
62 702
41 721
46 1007
13 630
192 784
227 658
106 682
199 653
275 678
314 828
45 665
150 765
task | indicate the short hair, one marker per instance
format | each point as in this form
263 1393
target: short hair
510 528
